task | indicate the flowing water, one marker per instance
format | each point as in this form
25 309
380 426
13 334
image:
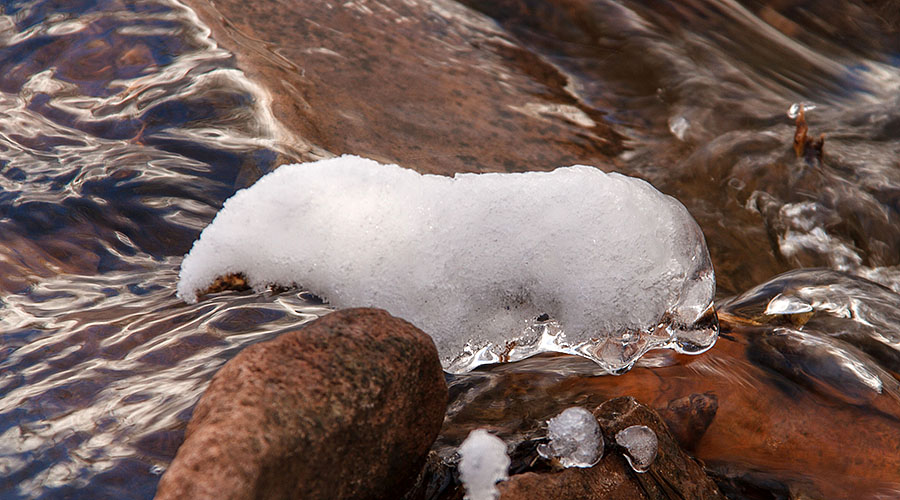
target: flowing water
124 125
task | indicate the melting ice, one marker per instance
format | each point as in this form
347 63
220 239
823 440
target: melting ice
482 462
641 446
575 438
617 266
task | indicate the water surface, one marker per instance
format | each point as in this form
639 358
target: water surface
124 125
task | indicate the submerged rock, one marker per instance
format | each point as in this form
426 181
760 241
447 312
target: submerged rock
412 82
688 417
346 407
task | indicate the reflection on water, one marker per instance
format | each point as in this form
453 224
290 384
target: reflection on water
100 375
125 124
115 119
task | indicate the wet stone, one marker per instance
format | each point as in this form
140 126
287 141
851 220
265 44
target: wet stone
673 475
689 417
346 407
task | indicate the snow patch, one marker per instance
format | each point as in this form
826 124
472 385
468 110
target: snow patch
482 463
475 259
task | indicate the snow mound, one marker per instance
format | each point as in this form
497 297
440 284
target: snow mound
482 462
496 267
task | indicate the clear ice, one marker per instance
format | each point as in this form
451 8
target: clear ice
482 463
787 305
641 446
575 438
618 267
794 110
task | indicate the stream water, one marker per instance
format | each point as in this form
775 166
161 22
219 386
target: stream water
124 125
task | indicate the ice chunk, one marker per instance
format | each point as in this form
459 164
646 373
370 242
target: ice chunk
619 267
679 126
575 438
787 305
794 110
482 463
640 445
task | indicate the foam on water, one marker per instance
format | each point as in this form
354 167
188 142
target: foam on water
617 267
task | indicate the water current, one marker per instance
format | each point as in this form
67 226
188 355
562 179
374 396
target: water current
124 125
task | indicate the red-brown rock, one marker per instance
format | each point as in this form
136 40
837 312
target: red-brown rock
672 475
346 407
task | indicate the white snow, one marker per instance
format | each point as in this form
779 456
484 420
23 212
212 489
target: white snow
473 259
482 463
575 438
641 446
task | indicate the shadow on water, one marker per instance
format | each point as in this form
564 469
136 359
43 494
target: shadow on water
124 125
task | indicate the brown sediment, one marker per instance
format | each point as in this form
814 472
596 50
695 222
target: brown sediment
233 281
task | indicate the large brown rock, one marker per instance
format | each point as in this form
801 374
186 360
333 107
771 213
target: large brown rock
672 475
346 407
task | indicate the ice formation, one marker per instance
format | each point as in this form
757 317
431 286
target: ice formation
641 446
575 438
482 463
617 266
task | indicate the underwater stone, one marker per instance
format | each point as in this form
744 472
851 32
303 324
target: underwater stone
618 267
575 438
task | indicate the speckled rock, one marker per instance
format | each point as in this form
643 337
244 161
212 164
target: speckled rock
346 407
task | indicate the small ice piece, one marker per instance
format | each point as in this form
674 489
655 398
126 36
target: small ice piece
787 304
482 463
641 446
575 438
679 126
794 111
473 259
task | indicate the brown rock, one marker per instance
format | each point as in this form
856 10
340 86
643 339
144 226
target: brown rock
607 479
346 407
673 475
688 417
